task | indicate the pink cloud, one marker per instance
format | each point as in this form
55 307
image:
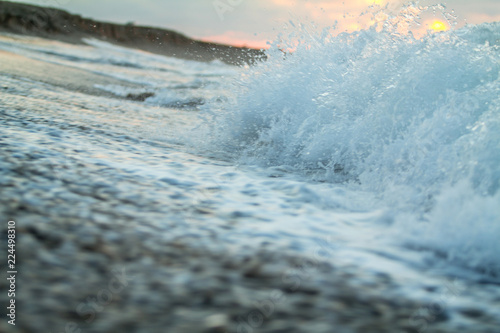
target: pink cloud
237 38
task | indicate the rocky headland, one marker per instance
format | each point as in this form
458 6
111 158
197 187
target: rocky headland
61 25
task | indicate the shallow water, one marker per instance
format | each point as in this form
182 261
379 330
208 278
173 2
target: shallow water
369 150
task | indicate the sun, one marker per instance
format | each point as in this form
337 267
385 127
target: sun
439 26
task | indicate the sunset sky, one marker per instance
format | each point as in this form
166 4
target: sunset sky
255 22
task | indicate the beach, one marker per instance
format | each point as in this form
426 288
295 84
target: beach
126 221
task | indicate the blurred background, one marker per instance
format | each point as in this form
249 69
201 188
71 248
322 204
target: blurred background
254 23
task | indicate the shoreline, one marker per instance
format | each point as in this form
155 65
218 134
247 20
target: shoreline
60 25
118 230
19 66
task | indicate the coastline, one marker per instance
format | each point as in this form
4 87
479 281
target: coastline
60 25
120 232
104 249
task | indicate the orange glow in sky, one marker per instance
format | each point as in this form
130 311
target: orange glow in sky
439 26
347 16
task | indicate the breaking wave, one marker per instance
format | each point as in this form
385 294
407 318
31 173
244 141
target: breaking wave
414 120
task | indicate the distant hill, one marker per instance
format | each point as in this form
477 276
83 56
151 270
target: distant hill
61 25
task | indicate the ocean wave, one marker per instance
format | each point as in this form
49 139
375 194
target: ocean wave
410 119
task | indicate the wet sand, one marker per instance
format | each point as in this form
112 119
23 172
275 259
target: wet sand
61 76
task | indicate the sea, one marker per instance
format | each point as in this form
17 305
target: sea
373 148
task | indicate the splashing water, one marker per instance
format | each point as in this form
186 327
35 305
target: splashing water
414 121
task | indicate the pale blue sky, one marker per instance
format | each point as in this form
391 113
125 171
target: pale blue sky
249 21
